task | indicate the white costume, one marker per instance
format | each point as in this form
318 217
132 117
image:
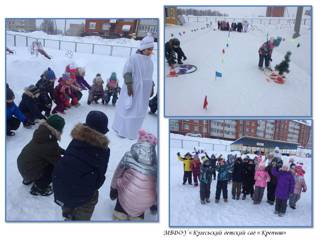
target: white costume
131 111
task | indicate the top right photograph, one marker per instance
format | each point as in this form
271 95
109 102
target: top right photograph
238 61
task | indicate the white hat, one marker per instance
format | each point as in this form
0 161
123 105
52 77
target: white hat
147 42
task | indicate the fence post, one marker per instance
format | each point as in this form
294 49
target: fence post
44 42
130 51
92 48
27 41
75 47
182 143
15 40
111 50
59 44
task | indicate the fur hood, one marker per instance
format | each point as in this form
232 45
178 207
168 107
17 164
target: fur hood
86 134
53 131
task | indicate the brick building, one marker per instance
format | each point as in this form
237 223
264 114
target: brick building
275 11
281 130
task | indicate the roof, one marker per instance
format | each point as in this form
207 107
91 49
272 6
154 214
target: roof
265 143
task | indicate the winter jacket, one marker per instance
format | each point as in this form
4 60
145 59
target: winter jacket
186 163
46 88
82 83
170 51
300 185
135 179
41 151
195 166
13 110
224 172
266 48
206 172
28 106
273 179
261 177
285 183
248 174
96 89
237 175
81 171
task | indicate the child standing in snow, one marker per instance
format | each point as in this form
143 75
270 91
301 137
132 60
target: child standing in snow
300 186
237 176
195 168
96 92
248 177
224 171
265 53
112 90
38 158
134 183
78 176
272 184
262 178
285 187
187 160
206 171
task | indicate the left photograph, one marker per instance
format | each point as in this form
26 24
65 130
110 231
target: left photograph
82 120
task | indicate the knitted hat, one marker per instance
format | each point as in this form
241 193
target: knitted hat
57 122
147 42
98 121
49 74
113 76
146 137
9 93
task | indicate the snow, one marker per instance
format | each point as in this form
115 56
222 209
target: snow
23 69
186 210
242 83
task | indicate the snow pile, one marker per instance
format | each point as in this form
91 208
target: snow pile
23 69
186 210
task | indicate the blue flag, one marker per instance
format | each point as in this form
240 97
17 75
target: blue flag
218 74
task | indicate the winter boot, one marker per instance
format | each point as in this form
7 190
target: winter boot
281 214
11 133
216 201
24 182
180 62
238 197
293 207
276 212
36 191
270 202
203 202
244 197
225 200
207 200
233 197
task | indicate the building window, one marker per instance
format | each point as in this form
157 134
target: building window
186 126
106 26
126 28
92 25
196 128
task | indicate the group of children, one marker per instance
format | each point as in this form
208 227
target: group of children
249 177
74 175
37 99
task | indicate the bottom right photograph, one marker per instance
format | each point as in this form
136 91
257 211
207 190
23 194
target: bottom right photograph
241 173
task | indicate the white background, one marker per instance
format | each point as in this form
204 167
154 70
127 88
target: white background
135 9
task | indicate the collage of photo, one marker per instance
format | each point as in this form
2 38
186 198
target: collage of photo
83 100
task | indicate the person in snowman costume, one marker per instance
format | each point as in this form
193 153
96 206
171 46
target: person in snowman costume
138 85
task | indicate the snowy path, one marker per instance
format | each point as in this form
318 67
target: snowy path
243 89
23 70
186 210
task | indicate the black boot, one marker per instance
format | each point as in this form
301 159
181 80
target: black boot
36 191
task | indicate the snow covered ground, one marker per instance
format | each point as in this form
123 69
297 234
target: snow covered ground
186 210
23 69
243 89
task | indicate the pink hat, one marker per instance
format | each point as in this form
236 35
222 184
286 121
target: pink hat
299 170
147 137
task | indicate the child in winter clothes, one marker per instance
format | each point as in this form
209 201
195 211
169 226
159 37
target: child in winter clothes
300 186
262 178
62 93
13 114
237 176
206 171
248 177
28 105
37 159
285 187
187 160
80 173
223 176
134 183
82 83
195 168
265 52
75 88
112 90
46 87
96 92
271 186
213 163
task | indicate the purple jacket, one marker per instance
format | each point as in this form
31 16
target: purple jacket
285 183
83 83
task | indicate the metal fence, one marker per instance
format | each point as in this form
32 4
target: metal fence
18 40
190 144
258 20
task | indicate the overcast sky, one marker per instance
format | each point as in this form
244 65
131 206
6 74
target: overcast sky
248 11
61 22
